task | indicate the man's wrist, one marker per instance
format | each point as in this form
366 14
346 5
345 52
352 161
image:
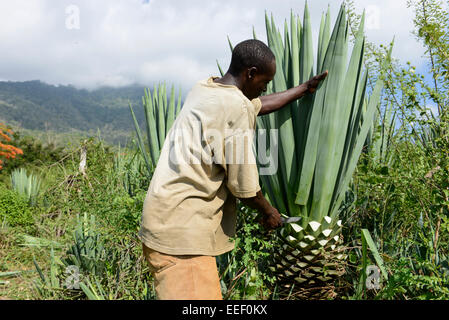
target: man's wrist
309 86
267 211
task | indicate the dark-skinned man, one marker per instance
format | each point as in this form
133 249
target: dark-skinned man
189 212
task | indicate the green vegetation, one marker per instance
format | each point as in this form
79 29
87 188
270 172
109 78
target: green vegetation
89 221
14 209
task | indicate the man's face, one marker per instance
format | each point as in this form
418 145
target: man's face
256 82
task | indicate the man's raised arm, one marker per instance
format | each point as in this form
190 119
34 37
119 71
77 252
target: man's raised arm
276 101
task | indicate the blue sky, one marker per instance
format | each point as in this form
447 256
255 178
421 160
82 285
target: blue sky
115 42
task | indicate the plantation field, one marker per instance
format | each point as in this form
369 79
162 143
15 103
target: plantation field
368 180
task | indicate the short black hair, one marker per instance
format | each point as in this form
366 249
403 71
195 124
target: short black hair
250 53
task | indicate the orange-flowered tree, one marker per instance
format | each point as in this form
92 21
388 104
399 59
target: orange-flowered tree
6 150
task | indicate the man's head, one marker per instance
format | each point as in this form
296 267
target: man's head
254 64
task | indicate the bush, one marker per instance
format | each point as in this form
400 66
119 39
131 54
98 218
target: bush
14 209
35 154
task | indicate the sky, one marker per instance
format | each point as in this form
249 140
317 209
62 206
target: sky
93 43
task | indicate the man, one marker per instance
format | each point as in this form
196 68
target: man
189 212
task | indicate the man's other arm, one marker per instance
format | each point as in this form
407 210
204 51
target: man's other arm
271 218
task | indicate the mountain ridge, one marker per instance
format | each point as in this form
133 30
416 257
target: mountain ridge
36 105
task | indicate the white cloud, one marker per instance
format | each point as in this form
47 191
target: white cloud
395 19
123 42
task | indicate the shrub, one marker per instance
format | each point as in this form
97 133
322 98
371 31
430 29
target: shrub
14 209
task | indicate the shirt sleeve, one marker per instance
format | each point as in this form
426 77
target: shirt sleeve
257 105
241 167
242 178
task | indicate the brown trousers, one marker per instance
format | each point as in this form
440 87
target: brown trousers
183 277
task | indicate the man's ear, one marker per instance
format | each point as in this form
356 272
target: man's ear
251 72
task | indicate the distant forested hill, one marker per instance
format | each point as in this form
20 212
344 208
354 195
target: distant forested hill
35 105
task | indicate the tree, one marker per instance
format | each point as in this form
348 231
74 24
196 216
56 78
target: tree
6 150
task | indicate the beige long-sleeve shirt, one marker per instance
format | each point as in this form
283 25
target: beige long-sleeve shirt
206 162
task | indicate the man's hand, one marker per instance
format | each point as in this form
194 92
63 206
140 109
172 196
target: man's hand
271 219
313 83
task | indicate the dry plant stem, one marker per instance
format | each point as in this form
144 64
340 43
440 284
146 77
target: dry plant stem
435 242
235 282
75 151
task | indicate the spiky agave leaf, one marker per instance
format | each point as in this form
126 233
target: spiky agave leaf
26 185
318 152
160 114
321 137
